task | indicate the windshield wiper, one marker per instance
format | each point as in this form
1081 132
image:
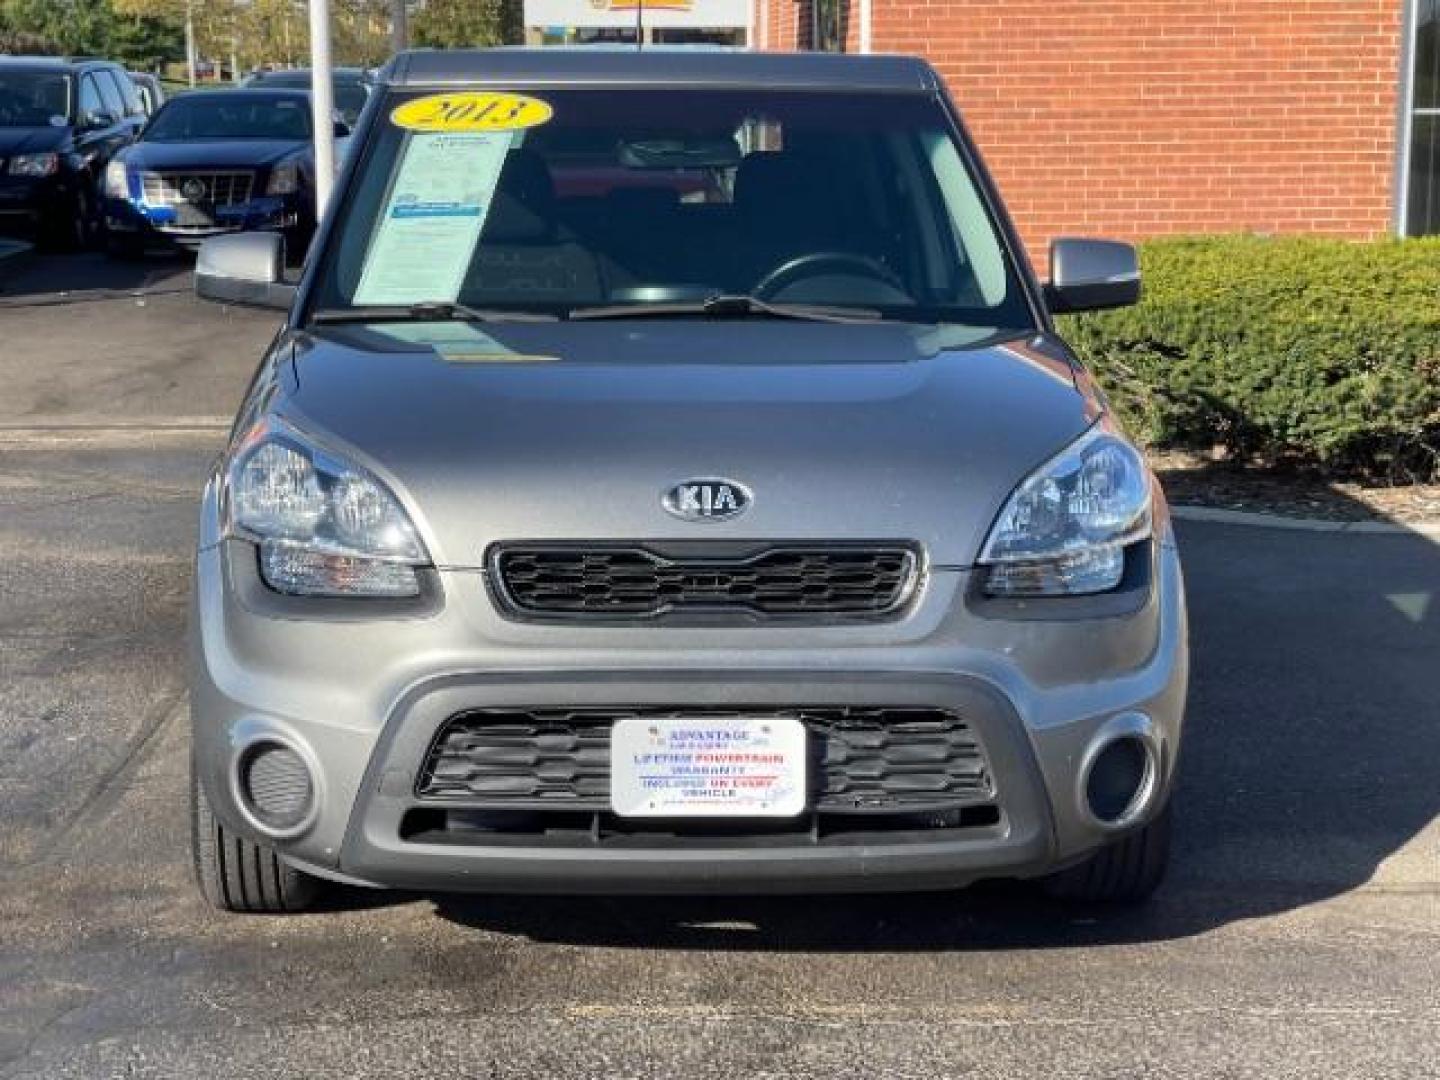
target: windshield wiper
427 311
725 306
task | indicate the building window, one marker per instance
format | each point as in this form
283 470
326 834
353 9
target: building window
828 33
1422 199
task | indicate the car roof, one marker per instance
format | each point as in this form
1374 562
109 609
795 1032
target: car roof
304 73
62 65
40 63
273 93
660 66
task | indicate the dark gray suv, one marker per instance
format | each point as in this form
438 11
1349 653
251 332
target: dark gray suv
60 123
669 479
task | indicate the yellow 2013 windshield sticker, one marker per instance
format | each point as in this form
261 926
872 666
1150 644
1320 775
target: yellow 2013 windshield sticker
472 111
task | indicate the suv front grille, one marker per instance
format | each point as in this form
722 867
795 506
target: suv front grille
862 759
638 582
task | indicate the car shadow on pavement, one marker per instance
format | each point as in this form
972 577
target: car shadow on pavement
55 276
1309 770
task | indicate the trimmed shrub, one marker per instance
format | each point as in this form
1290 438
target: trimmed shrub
1293 350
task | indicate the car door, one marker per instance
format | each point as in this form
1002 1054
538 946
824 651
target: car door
102 127
136 114
97 124
123 103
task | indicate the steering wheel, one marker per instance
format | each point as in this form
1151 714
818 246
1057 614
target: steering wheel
821 262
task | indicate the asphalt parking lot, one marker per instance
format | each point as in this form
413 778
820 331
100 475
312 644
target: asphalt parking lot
1299 935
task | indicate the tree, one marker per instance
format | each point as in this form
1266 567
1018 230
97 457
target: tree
145 44
59 26
87 27
146 33
468 23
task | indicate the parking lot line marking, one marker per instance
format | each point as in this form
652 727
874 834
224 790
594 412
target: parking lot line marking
126 427
1215 515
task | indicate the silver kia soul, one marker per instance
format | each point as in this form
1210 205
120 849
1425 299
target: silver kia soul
669 479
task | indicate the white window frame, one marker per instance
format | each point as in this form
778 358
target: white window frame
1409 56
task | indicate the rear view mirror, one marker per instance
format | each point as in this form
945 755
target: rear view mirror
1091 275
340 129
244 268
689 153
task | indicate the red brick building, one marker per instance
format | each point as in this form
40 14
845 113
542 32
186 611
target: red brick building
1135 118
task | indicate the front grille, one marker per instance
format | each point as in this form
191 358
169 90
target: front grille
862 759
635 582
199 189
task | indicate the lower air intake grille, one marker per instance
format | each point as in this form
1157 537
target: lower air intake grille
633 582
861 759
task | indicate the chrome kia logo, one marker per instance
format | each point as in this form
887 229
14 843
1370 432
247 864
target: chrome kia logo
707 500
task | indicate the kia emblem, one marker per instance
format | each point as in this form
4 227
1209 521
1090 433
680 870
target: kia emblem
707 499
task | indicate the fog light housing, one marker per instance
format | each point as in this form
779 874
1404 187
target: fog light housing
1116 778
276 787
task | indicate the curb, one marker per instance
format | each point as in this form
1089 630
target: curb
1252 519
91 425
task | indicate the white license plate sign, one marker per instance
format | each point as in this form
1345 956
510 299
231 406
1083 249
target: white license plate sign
707 767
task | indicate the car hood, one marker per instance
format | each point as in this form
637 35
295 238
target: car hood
212 153
576 430
31 140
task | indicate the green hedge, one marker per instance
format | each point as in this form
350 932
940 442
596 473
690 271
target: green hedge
1283 351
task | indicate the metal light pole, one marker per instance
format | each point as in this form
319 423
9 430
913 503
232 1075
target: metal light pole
190 42
399 30
322 103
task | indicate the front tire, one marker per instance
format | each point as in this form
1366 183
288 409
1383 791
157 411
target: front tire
236 874
125 247
72 231
1127 871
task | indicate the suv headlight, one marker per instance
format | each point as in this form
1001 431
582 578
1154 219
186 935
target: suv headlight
1065 529
34 164
117 184
284 179
325 526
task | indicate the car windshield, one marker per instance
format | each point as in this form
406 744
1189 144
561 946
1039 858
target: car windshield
349 93
671 197
33 98
231 115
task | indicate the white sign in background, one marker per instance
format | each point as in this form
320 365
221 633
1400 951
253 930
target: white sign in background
620 14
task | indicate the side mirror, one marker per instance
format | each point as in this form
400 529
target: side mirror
244 268
98 119
1092 275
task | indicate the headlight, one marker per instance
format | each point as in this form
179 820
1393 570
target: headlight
1065 529
117 184
325 527
34 164
284 179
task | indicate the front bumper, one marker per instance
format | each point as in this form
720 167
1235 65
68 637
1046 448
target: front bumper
270 213
362 699
30 204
